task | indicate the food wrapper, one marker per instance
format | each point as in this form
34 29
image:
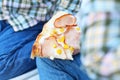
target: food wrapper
60 38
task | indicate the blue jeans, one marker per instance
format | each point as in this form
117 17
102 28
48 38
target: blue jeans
61 69
15 50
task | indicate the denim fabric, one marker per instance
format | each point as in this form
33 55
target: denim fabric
15 50
61 69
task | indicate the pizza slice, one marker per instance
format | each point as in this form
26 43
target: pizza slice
60 38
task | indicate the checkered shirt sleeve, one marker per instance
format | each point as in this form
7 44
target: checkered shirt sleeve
22 14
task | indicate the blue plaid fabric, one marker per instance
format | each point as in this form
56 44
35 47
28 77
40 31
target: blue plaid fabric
22 14
100 41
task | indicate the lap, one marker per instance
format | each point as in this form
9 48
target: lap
15 50
61 69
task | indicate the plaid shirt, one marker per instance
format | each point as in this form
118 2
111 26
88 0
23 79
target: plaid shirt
100 39
22 14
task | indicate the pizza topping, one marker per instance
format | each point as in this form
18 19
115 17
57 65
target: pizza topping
62 29
59 51
77 28
66 46
65 20
61 39
54 46
71 49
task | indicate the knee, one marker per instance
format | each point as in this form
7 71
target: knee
12 67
